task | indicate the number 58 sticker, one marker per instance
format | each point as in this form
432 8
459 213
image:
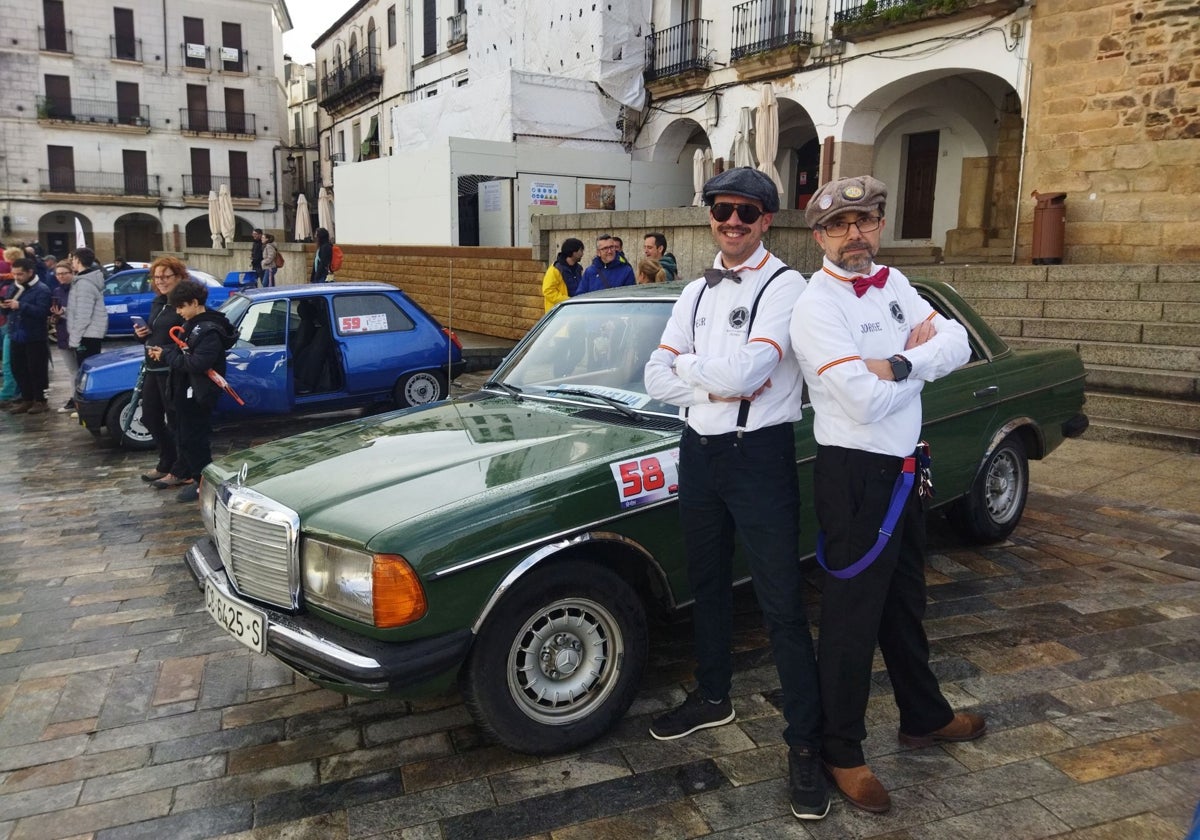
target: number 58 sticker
648 479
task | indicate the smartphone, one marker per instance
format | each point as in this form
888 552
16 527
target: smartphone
138 321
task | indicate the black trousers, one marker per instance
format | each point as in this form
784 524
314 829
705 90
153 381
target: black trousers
87 347
748 485
884 604
158 416
31 367
194 433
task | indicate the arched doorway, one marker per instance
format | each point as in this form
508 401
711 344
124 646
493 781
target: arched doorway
135 235
56 231
196 233
799 157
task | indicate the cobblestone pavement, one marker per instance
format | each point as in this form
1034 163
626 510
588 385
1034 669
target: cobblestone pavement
126 713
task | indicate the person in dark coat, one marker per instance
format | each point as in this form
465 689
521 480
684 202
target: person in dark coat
158 414
208 335
256 255
28 308
323 258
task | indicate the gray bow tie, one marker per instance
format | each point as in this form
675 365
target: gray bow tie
713 276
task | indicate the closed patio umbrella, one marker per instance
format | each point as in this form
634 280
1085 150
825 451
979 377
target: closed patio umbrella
741 141
214 219
325 210
766 136
225 214
698 178
303 231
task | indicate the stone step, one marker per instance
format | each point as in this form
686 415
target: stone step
1116 431
1148 312
1181 385
1159 357
922 255
1144 411
1125 332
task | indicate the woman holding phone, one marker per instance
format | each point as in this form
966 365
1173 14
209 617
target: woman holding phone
157 414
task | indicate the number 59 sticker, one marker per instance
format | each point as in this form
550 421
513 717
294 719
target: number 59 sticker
647 479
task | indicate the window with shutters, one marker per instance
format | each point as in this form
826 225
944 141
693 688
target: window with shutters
429 20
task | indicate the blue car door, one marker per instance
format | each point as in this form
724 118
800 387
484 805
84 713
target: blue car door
257 366
380 341
125 294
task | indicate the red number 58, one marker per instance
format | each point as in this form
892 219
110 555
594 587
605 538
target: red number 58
641 476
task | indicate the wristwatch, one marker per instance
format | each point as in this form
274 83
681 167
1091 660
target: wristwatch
901 367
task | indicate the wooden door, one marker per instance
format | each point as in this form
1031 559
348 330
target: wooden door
197 104
920 179
201 173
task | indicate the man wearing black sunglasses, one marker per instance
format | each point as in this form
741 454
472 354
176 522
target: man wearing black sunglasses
725 359
867 343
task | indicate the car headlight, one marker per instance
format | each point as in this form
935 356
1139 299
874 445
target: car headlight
208 506
378 589
82 381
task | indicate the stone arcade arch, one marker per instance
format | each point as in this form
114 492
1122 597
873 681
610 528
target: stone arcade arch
56 231
136 235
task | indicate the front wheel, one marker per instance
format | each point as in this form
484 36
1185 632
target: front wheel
559 661
424 386
994 504
120 414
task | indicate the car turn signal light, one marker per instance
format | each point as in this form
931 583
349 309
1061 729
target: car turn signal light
397 595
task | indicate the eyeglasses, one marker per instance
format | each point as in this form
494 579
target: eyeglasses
163 276
723 211
607 248
866 224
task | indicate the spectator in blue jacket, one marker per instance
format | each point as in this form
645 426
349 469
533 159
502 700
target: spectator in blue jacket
606 271
27 307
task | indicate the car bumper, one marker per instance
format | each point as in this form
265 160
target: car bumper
333 655
1076 426
91 412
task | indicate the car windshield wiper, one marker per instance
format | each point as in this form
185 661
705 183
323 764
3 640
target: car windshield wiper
612 401
512 390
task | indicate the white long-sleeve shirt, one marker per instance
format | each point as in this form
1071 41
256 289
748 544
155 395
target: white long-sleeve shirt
720 353
833 331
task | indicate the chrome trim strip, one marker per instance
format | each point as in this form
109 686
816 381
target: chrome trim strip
547 551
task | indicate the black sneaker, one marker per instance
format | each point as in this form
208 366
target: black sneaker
806 784
189 493
695 713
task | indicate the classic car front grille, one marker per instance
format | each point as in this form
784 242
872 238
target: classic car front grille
257 540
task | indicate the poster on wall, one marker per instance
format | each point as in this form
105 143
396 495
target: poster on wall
491 194
600 196
543 193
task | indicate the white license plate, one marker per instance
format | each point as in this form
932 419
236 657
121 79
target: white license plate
245 623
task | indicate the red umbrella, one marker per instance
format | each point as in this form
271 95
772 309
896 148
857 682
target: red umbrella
177 337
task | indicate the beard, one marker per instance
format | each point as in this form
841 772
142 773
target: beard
856 258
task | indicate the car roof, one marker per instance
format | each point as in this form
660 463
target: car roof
310 289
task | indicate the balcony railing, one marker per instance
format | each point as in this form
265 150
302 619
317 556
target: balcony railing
92 111
216 122
361 73
55 40
855 19
762 25
125 49
99 183
304 139
200 185
337 157
458 29
678 49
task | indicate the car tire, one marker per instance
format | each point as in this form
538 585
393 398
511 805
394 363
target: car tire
138 437
516 681
420 388
994 504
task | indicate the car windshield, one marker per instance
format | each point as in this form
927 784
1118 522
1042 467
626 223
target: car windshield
597 349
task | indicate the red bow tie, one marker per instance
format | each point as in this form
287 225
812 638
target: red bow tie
878 279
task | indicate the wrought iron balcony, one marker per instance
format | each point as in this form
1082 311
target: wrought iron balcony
458 29
200 185
233 59
336 158
196 56
55 40
855 20
306 138
125 49
357 79
762 25
678 49
216 122
92 111
99 183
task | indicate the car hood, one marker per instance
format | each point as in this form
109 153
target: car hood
112 371
417 482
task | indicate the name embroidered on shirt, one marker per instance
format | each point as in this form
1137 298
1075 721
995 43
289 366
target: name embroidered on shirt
701 321
872 327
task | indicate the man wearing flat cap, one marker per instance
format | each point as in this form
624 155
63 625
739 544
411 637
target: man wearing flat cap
867 343
725 360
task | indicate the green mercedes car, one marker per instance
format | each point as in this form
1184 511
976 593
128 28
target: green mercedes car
515 540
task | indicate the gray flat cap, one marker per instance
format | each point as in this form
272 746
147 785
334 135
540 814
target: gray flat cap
745 181
862 193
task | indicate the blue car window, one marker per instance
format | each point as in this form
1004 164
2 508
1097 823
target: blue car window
265 324
369 313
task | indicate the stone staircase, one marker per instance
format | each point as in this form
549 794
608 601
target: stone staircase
1136 327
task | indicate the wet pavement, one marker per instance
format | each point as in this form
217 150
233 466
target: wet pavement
125 712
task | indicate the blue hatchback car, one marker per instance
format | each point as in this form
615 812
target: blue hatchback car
128 293
307 348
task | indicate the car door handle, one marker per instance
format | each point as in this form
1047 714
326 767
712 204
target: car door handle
989 391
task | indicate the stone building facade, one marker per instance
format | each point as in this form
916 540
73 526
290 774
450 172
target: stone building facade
1114 121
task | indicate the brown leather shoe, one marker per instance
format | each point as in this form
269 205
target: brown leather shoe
20 407
861 787
965 726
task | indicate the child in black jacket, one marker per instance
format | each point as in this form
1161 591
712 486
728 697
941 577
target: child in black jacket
208 335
